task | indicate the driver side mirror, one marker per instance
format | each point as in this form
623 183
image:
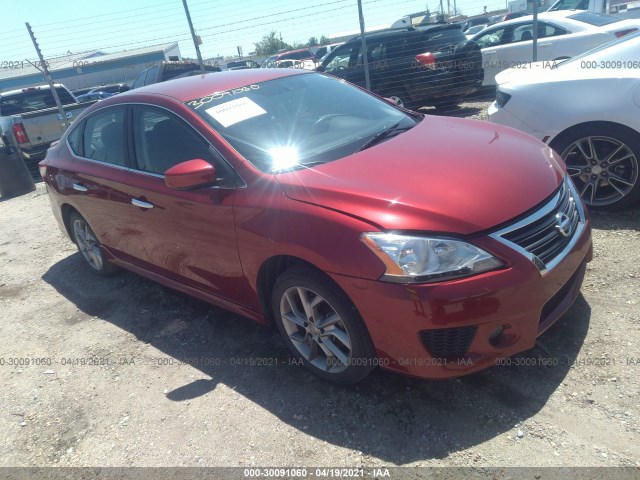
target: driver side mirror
191 174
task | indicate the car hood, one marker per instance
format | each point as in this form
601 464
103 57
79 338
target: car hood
444 175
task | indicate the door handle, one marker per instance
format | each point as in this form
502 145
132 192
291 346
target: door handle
490 53
544 45
141 203
79 187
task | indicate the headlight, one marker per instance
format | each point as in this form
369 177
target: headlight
427 259
502 98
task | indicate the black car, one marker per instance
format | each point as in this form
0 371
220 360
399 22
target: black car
431 65
113 88
164 71
242 65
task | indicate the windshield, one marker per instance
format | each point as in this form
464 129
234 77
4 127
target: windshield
294 122
595 19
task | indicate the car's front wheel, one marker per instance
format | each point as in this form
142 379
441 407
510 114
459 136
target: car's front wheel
89 246
602 161
321 326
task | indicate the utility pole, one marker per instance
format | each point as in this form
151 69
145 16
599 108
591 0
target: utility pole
196 39
47 76
535 30
367 81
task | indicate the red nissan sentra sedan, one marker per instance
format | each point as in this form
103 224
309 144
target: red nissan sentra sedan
369 234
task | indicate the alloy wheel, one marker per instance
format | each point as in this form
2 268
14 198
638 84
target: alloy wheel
87 244
604 169
315 329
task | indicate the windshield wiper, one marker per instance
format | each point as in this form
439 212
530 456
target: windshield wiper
384 134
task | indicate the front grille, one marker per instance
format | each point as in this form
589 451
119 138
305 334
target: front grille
448 342
547 234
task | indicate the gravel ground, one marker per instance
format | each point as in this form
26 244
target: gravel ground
125 372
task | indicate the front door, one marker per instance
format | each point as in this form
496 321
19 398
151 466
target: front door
187 235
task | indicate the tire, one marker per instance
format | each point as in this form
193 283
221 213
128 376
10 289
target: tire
446 104
401 97
602 182
331 339
89 246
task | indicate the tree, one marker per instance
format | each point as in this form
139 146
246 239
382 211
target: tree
313 41
324 40
271 44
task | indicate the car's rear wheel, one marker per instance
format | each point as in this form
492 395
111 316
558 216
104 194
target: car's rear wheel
89 246
400 96
602 161
321 326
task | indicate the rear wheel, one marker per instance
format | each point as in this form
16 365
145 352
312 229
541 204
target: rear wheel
402 99
89 246
321 326
602 161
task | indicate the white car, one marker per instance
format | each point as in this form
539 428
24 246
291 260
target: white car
472 31
561 35
588 110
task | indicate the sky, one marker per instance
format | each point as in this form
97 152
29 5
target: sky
63 26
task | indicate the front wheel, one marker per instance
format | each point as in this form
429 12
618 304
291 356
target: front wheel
321 326
602 161
89 246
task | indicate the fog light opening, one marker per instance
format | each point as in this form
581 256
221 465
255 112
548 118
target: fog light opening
495 337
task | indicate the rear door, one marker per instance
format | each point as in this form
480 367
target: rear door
186 235
98 179
491 41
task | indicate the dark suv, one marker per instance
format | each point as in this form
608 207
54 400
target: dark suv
432 65
164 71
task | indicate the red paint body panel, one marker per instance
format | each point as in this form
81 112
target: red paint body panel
418 181
445 175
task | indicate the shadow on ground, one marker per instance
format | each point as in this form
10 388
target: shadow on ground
395 418
625 219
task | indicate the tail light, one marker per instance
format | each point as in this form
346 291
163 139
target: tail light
42 166
622 33
20 133
427 60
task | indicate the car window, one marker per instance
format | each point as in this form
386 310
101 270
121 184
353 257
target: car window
140 80
345 57
151 75
162 140
104 137
491 38
32 99
75 138
524 32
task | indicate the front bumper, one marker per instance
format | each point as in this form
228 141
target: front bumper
504 117
459 327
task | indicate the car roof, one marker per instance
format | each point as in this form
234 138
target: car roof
392 32
184 89
559 14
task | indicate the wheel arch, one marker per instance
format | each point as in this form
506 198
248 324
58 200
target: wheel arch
577 128
66 211
270 270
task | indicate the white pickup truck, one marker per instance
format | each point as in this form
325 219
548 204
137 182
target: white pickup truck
30 120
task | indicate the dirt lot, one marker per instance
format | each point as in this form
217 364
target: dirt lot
124 372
